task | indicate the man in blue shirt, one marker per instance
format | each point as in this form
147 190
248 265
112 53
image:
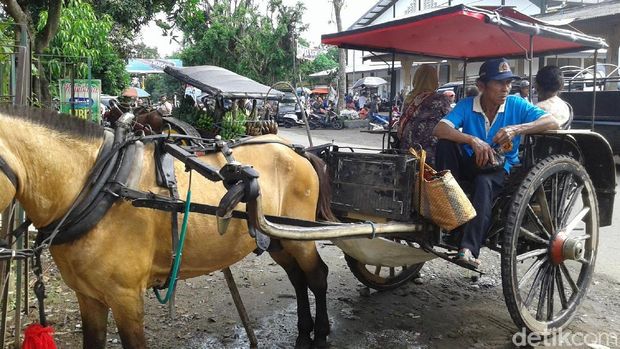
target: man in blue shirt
468 136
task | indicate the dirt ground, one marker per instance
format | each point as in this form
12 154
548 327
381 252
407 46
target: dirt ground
442 309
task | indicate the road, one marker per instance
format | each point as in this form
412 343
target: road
609 243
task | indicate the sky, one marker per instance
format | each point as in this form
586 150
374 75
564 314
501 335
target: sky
319 15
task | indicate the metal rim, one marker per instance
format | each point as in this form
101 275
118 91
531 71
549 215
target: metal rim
550 245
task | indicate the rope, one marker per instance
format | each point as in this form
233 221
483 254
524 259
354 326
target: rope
179 252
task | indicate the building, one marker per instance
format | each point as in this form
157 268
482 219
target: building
600 18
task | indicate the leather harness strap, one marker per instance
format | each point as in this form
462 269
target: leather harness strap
8 172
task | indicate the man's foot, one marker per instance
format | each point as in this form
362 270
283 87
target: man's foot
467 259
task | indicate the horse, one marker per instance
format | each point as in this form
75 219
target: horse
129 250
148 120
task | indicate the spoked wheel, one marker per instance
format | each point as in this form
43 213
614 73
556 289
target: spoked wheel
550 244
180 127
383 278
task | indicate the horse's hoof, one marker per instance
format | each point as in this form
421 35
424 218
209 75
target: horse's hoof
320 343
303 343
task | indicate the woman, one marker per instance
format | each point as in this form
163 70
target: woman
549 82
422 110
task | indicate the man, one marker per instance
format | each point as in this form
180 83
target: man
549 82
524 89
493 119
165 107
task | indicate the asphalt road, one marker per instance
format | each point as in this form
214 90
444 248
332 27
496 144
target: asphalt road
609 243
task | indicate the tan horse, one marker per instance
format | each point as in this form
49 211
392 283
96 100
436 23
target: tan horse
128 251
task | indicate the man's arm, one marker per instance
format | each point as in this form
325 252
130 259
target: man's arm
482 150
544 123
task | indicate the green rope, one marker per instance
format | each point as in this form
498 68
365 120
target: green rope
179 252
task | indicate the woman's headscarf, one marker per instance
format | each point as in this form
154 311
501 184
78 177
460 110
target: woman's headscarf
425 79
425 84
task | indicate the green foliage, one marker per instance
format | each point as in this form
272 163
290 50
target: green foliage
162 85
323 61
82 35
241 39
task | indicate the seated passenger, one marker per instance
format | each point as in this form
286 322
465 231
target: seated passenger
549 82
490 120
424 107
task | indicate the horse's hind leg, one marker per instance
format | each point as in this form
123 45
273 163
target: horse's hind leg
305 324
94 322
315 273
128 311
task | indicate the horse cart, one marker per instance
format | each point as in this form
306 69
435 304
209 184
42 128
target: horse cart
266 194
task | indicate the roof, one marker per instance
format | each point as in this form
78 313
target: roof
373 13
602 9
462 32
219 81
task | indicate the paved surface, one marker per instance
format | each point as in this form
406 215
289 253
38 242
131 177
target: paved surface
609 243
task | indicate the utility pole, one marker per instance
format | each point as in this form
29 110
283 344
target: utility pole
342 58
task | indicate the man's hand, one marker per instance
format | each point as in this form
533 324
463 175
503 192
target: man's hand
505 135
482 151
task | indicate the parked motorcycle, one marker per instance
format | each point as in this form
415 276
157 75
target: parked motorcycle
328 120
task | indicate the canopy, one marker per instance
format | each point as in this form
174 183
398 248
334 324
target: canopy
219 81
135 92
369 81
320 91
462 32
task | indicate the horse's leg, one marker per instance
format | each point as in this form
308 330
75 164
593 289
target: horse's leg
315 272
128 311
305 324
94 322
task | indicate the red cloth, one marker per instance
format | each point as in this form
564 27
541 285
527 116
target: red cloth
38 337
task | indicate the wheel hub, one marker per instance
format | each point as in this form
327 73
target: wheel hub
563 248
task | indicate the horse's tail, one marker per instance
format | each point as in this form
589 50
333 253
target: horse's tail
323 209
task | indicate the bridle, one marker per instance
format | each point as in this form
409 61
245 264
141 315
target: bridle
8 172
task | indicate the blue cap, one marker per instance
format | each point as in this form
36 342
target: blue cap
496 69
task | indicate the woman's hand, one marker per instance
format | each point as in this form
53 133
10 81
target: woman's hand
482 151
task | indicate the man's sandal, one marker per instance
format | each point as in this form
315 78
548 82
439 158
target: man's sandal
466 259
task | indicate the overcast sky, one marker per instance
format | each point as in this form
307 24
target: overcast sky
319 15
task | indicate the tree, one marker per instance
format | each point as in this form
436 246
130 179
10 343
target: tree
233 35
342 59
26 13
83 36
323 61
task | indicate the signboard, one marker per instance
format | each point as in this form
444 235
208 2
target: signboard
309 53
151 66
86 105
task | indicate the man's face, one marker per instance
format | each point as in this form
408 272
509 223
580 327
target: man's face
525 91
495 91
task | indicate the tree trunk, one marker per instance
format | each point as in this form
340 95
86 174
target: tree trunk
342 59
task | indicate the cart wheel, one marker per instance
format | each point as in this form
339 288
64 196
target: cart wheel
382 278
338 124
288 123
549 247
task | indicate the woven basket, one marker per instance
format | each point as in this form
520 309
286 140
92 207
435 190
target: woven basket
439 196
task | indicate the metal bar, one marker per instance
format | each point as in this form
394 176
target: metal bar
191 161
392 98
234 292
90 92
531 61
327 232
594 90
18 283
464 78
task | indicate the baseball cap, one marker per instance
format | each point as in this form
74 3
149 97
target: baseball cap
496 69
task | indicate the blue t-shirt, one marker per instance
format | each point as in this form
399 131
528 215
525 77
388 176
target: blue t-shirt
468 115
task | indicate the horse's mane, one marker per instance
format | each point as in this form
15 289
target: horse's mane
53 120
